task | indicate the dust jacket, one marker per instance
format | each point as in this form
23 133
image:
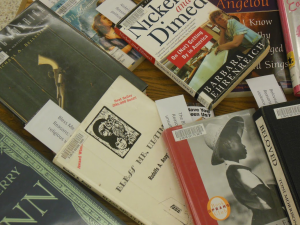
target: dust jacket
290 17
278 128
224 172
42 58
33 190
196 44
118 152
82 14
261 17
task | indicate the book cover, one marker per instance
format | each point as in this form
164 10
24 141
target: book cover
33 190
118 152
196 44
277 126
289 16
82 14
9 9
42 58
261 17
224 171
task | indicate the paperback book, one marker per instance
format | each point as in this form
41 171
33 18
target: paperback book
261 17
196 44
290 17
224 172
82 14
118 152
276 126
33 190
42 58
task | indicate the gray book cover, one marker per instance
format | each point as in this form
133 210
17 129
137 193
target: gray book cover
42 58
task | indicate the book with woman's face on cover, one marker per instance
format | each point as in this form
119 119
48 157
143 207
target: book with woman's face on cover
196 44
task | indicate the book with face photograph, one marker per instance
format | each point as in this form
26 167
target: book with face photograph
196 44
261 17
119 153
42 58
98 27
224 171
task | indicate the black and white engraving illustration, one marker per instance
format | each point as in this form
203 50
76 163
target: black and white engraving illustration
113 132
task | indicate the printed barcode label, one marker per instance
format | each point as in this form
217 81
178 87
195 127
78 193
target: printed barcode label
3 57
134 17
189 132
66 7
286 112
205 100
73 145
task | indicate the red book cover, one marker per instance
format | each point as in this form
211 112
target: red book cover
224 172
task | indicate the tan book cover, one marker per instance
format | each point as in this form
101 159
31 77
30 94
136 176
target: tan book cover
9 9
118 152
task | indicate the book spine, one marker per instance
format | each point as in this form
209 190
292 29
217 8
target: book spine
105 197
290 46
273 153
165 70
178 175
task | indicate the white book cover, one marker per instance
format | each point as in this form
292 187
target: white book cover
118 152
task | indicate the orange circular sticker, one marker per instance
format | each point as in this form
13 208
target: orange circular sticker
218 208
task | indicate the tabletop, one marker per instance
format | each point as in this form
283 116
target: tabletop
160 86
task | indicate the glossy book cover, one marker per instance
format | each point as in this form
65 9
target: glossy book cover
42 58
261 17
85 18
33 190
224 172
196 44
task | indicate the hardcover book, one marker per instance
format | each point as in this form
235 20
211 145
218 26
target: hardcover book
118 152
33 190
42 58
196 44
290 17
261 17
82 14
278 128
224 172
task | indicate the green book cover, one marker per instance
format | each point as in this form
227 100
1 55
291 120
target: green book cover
33 190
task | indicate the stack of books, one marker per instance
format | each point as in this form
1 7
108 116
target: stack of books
237 168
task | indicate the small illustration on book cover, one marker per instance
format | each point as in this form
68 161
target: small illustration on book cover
111 131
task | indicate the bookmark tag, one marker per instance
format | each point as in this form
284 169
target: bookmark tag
52 125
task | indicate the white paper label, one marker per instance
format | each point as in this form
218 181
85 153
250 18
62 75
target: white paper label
199 113
173 111
122 57
288 111
266 90
3 57
115 10
52 125
189 132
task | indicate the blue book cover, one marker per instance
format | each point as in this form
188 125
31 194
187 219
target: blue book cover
82 14
33 190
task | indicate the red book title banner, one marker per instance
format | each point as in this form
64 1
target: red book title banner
184 52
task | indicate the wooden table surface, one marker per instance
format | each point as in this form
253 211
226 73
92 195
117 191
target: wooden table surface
160 86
